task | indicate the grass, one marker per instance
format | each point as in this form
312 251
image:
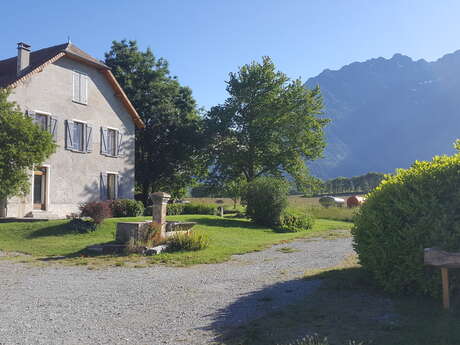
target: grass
299 202
228 236
348 309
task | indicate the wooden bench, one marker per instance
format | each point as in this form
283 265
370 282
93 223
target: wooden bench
444 260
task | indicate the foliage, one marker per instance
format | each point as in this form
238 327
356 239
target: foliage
187 241
268 125
415 209
199 209
23 145
96 210
174 209
170 151
127 208
292 220
363 183
266 198
82 226
234 189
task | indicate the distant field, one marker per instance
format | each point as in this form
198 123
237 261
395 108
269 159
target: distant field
297 201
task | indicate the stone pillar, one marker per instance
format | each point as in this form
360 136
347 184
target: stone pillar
160 203
2 208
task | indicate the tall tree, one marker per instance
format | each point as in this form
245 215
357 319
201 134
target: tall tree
170 150
22 145
269 125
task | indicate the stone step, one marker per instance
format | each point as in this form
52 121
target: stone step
39 214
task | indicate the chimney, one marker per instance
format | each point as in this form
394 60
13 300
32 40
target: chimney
23 57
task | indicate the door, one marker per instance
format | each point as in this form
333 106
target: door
40 189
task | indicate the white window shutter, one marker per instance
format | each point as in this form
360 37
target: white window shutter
119 143
89 139
103 186
83 88
52 127
104 138
76 87
69 132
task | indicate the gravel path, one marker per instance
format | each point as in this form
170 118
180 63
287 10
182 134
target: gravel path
155 305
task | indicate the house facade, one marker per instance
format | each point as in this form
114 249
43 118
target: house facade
77 99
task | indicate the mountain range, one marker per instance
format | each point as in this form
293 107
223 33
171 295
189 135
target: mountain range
387 113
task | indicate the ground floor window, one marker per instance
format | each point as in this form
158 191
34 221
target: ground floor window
112 186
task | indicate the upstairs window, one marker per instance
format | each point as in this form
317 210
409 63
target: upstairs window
45 122
111 141
80 87
78 136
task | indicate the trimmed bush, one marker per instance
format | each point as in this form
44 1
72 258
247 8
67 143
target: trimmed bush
175 209
187 241
199 209
82 226
97 211
415 209
127 208
265 199
292 220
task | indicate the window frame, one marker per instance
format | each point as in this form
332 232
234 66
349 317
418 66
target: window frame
51 121
79 74
86 136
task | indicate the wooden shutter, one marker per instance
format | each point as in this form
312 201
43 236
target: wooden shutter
89 138
52 127
76 87
119 143
103 186
104 134
83 88
68 137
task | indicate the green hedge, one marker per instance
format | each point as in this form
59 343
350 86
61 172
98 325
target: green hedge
127 208
415 209
178 209
266 198
292 220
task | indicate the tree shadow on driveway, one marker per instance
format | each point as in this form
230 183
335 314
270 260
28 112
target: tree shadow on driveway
341 305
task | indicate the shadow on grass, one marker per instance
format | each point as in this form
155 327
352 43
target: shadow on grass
52 230
227 223
341 305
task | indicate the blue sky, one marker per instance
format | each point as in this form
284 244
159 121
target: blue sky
204 40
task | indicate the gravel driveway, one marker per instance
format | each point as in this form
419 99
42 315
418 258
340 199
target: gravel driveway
155 305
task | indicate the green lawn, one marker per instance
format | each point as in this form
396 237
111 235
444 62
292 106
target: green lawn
228 236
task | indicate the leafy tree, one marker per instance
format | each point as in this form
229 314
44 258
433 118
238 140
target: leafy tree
170 150
234 189
269 125
22 146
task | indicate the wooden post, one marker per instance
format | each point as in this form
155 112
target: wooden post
445 287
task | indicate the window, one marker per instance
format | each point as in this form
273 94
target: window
44 121
78 136
111 186
80 87
111 142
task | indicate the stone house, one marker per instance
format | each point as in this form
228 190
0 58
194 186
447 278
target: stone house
78 100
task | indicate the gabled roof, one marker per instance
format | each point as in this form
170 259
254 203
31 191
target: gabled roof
39 59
